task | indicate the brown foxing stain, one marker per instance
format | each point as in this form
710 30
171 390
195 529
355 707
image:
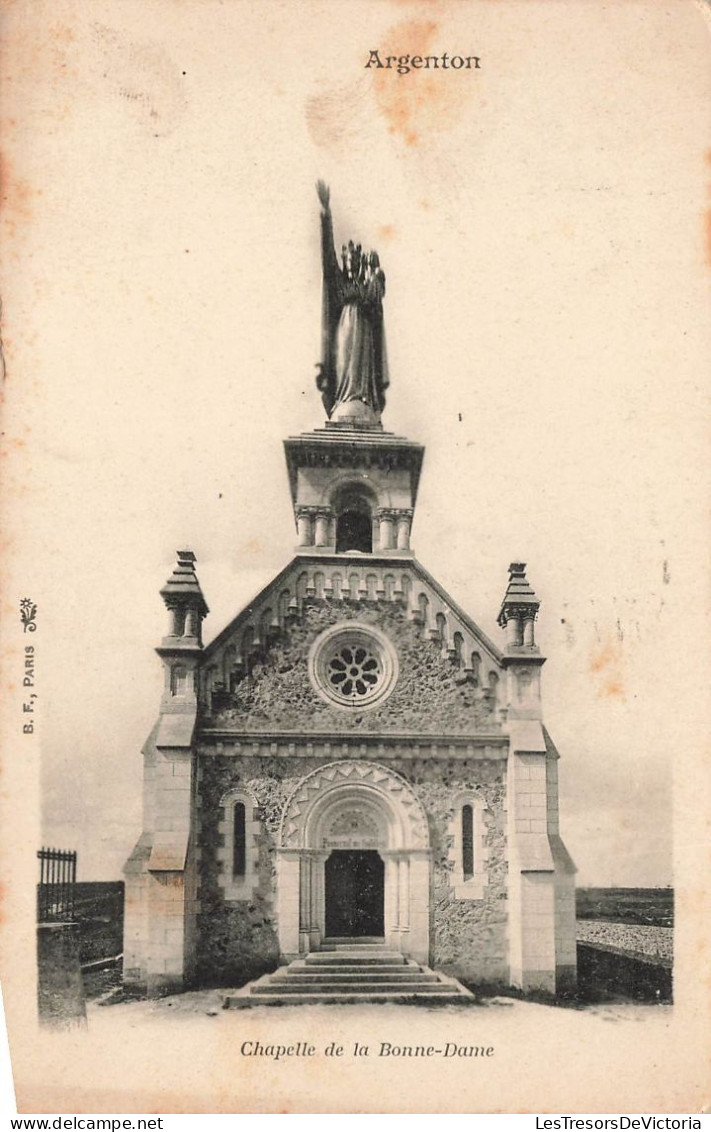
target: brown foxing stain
17 196
335 116
144 77
414 106
430 6
14 442
37 54
253 546
386 232
26 40
423 103
606 667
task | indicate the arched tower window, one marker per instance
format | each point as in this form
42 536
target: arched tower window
354 520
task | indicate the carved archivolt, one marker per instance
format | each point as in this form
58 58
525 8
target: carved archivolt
330 792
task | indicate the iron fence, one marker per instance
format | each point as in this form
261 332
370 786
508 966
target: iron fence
57 884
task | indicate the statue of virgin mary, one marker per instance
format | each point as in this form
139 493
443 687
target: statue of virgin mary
353 368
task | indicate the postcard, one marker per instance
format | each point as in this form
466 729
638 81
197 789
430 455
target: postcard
356 556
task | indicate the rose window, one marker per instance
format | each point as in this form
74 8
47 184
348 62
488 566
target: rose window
353 665
354 671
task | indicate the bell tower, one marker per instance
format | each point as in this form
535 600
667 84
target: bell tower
353 490
353 485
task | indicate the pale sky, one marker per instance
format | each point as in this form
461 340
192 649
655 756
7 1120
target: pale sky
540 224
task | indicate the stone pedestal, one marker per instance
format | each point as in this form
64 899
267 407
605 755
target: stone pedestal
355 413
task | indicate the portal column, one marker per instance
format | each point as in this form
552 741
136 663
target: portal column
304 902
317 913
404 892
391 898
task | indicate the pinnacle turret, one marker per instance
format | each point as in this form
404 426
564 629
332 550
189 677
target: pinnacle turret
519 608
184 599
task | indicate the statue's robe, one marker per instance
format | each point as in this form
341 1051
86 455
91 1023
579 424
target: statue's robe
353 360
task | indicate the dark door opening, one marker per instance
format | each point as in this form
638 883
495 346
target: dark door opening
355 893
354 531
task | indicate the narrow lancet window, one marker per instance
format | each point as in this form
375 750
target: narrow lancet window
239 851
467 842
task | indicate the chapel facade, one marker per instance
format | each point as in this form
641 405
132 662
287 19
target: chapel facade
351 758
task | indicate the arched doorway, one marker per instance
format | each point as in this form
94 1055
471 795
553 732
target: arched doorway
354 861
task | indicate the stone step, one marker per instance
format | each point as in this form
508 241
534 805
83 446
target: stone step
369 943
317 970
240 1001
287 987
310 980
352 941
354 959
354 979
355 949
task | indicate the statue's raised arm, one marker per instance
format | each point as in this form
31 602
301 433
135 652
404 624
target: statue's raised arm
330 303
353 373
331 270
324 195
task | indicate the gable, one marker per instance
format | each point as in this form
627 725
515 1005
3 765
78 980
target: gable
360 581
255 675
